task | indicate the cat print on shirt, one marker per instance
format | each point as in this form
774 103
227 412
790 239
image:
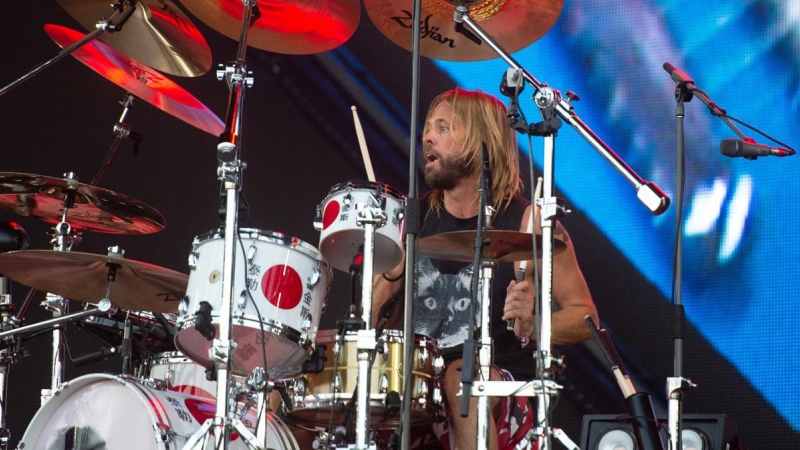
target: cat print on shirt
441 309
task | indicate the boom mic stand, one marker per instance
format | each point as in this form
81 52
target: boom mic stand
685 90
229 172
551 104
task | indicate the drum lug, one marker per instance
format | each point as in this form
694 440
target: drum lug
251 254
163 433
337 384
313 278
437 396
422 355
398 216
193 258
384 384
438 365
422 391
318 219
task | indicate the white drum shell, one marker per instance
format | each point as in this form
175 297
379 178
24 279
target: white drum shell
341 235
279 277
114 413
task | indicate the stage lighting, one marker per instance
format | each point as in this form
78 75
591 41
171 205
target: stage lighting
698 432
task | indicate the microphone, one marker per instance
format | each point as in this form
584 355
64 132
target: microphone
487 185
736 147
99 355
677 75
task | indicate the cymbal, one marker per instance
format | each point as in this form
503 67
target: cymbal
95 209
504 246
137 286
293 27
513 24
139 79
158 33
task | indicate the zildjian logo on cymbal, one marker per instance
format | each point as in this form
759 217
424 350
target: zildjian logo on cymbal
426 30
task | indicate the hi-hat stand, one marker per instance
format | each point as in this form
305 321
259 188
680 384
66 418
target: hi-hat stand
551 105
229 172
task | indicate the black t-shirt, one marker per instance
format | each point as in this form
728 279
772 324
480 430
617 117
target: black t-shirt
442 305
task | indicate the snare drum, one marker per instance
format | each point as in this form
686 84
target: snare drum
341 235
280 284
109 412
316 396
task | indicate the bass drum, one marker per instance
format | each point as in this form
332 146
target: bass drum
108 412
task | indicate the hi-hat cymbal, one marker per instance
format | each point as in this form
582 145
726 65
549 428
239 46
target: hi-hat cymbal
94 209
139 79
293 27
504 246
158 34
513 24
137 286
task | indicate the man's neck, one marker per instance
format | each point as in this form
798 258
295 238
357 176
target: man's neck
462 201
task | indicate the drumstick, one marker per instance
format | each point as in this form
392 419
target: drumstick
363 144
523 265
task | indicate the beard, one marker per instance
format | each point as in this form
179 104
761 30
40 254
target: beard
451 169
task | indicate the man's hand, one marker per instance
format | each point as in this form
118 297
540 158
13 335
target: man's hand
519 306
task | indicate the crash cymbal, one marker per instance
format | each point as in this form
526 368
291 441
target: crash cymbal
139 80
293 27
158 34
504 246
95 209
513 24
137 286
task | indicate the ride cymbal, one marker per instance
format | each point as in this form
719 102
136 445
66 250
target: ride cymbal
513 24
293 27
94 208
158 34
139 79
504 246
136 285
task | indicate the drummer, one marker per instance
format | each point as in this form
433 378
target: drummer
457 124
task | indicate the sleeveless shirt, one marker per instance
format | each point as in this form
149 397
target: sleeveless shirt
443 292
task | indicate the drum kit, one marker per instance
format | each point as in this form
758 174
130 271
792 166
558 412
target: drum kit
201 353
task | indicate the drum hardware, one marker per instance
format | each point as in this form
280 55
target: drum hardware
519 23
153 419
121 131
138 79
299 27
121 13
281 284
88 208
229 172
158 33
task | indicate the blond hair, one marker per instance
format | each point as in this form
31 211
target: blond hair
484 119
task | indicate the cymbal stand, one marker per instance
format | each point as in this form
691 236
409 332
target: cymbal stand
121 131
370 216
62 239
229 172
8 354
14 352
123 9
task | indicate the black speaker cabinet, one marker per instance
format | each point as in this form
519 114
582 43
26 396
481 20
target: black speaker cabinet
699 432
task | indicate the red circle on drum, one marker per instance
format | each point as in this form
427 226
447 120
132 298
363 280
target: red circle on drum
282 286
331 213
